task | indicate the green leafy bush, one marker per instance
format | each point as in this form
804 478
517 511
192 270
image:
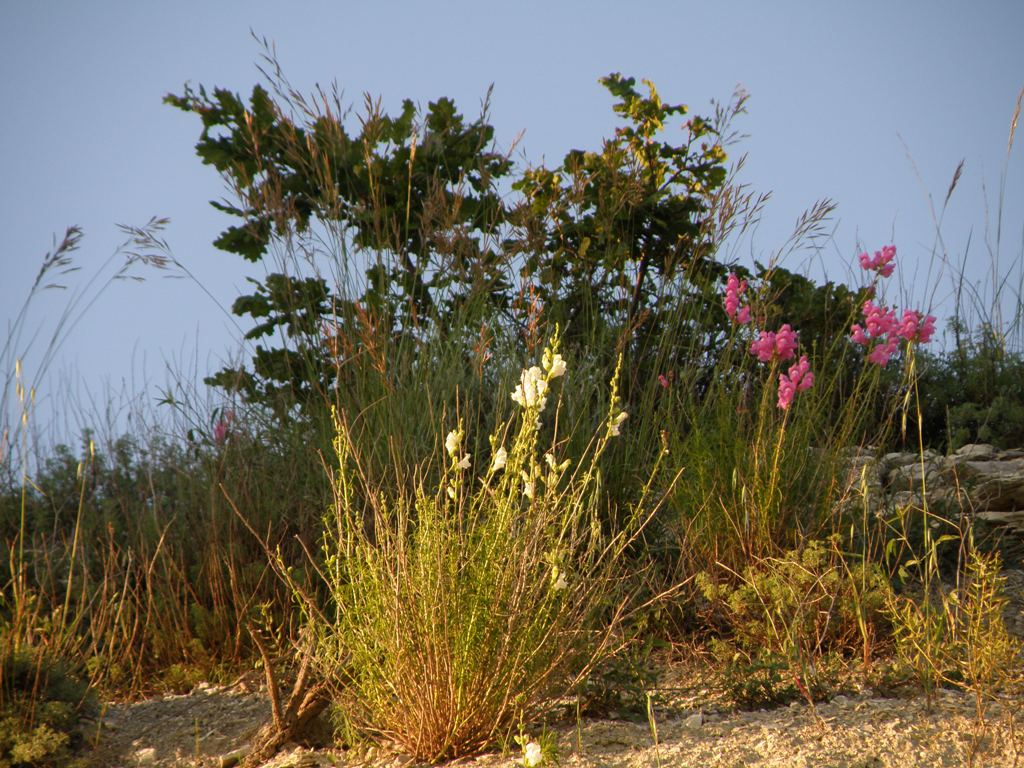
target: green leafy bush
973 393
403 227
41 709
794 611
809 600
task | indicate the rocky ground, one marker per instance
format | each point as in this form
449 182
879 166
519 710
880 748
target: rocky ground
210 727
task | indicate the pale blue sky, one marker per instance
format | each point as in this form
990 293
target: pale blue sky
839 93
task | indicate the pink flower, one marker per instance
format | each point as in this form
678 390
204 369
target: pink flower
927 329
798 379
881 326
785 342
787 391
881 263
663 381
880 354
909 324
222 428
734 289
764 347
770 344
801 374
878 320
858 335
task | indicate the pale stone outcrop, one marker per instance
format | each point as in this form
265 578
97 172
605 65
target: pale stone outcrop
978 480
978 485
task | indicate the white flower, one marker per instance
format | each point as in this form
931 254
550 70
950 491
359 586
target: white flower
558 579
532 755
451 443
500 457
451 492
614 424
553 364
527 486
464 463
554 466
532 389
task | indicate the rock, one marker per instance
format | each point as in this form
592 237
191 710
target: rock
145 756
977 478
975 452
898 459
978 488
903 501
994 484
1013 518
908 477
694 721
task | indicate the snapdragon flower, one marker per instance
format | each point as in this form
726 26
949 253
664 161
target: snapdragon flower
881 263
558 580
452 442
797 379
883 330
528 485
554 364
616 423
533 755
785 342
770 344
916 326
532 389
500 457
734 290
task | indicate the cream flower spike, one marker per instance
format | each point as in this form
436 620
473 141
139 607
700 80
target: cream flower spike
500 457
452 442
616 423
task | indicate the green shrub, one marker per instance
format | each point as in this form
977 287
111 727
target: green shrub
973 393
41 709
958 636
809 600
457 614
794 611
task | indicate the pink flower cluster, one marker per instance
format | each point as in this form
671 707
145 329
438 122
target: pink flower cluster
797 379
883 330
222 428
881 263
734 290
770 344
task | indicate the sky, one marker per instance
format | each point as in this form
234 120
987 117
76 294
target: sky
871 104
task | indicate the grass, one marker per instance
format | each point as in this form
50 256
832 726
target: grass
459 612
344 494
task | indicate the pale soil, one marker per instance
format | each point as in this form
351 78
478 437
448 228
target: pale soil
210 728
